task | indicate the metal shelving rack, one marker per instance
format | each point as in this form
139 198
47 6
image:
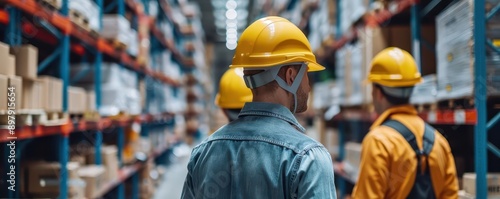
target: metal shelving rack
58 25
476 116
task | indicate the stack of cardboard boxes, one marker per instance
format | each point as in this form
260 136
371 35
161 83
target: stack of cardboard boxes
43 180
469 185
32 92
8 78
85 179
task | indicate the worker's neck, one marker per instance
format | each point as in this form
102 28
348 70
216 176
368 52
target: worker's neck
278 96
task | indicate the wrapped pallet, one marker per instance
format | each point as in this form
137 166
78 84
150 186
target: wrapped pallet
89 10
455 58
119 87
133 44
350 76
425 92
116 27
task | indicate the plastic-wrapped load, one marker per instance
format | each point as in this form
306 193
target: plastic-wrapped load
319 23
88 9
119 87
350 76
356 9
425 92
116 27
326 94
133 44
455 58
111 74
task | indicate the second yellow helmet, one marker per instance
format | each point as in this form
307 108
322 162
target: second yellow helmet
233 93
394 67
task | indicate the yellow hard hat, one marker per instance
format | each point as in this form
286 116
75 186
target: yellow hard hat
394 67
233 93
273 41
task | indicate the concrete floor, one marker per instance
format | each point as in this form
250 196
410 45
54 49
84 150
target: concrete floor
173 181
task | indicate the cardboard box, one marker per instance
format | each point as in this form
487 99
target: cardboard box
43 177
51 98
17 83
26 61
9 62
32 92
493 183
4 82
91 103
109 156
109 159
77 100
93 176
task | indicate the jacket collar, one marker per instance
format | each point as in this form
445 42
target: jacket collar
404 109
270 110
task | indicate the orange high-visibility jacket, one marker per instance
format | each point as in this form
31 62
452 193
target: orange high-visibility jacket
388 163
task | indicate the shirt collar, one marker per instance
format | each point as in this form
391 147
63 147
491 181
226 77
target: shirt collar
404 109
272 110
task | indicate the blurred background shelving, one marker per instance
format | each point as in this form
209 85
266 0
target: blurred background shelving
108 89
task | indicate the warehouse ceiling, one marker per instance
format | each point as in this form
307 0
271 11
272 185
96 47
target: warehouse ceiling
224 20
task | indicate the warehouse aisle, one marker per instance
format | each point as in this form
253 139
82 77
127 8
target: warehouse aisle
171 187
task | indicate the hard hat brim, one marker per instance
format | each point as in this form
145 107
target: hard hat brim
313 67
394 83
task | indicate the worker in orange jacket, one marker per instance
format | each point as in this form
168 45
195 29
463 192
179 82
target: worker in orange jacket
233 93
402 156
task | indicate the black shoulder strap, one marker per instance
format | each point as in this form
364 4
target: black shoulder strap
429 136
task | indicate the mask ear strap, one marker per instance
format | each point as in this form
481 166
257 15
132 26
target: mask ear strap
295 85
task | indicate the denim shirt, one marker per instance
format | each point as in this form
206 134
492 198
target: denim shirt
263 154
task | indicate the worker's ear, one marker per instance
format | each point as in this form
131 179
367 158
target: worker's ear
290 75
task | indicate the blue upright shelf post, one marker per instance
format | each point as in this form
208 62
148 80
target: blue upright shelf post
98 62
13 39
415 29
135 186
120 144
480 137
14 36
64 75
121 7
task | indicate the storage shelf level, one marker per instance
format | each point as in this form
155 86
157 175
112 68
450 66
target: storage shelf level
127 171
28 132
64 24
451 117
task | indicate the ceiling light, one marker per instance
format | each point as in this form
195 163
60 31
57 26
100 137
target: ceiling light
231 46
231 5
231 14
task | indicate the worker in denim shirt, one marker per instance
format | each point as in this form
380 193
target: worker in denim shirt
264 153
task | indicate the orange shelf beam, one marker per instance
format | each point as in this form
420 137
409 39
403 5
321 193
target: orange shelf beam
27 132
4 17
32 7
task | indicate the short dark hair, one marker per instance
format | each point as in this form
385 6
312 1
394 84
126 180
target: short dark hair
396 101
